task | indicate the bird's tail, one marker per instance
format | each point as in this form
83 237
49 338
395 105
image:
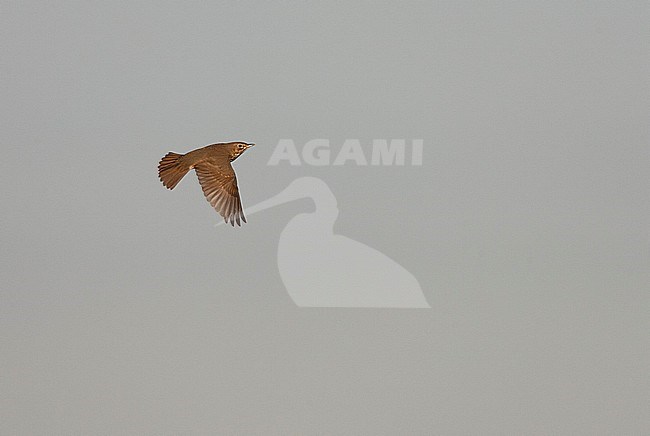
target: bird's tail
171 169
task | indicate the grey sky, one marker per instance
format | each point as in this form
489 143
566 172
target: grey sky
123 310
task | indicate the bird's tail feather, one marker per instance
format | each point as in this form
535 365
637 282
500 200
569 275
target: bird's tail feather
171 169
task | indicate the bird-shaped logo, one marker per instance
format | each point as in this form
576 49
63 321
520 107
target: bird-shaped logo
216 176
320 268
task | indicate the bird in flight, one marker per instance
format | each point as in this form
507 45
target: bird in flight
216 175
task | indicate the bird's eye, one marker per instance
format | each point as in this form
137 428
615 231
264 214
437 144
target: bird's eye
240 146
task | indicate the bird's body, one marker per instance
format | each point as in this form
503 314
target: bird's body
216 175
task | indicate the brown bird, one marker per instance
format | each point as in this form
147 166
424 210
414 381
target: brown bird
216 176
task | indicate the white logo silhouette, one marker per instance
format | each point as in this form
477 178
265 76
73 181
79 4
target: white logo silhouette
322 269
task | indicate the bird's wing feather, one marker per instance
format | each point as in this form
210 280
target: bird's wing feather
219 184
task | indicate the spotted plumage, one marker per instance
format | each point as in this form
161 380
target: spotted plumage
216 176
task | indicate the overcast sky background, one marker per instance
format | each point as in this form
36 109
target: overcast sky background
123 310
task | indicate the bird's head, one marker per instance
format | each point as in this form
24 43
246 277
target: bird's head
235 149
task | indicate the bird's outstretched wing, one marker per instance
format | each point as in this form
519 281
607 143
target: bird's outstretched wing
219 184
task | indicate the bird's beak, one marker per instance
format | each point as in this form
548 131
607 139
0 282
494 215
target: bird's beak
250 145
284 196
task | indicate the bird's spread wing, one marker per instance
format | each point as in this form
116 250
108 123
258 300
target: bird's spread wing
219 185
